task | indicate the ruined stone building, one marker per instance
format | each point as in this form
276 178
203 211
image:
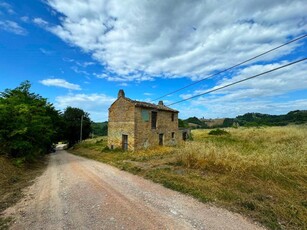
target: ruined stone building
136 125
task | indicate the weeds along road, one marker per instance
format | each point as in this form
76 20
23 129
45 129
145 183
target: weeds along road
77 193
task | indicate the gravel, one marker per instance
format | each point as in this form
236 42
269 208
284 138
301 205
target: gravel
77 193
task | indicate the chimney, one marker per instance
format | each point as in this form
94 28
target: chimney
161 103
121 93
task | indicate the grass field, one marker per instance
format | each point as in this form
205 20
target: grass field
259 172
14 177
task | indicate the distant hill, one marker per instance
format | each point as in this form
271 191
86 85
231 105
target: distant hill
100 128
248 119
256 119
194 122
213 122
191 122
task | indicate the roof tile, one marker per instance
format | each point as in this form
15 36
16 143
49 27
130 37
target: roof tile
151 106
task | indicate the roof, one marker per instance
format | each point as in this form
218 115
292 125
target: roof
150 105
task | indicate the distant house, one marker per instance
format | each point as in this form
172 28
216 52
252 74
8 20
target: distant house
135 125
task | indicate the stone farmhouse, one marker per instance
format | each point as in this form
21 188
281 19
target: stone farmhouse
137 125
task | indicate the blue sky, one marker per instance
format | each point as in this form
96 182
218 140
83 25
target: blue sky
80 53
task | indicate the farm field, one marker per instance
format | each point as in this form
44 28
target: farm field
259 172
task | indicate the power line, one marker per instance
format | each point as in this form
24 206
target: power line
245 79
232 67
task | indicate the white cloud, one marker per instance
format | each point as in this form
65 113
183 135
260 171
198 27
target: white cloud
60 83
7 7
81 64
12 27
95 104
270 93
172 39
124 84
85 64
275 83
25 19
138 77
78 71
68 59
210 107
234 108
46 52
177 38
279 82
40 22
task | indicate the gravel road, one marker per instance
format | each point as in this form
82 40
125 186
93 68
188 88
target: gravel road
77 193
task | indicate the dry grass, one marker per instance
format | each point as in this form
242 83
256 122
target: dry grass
260 172
275 149
13 178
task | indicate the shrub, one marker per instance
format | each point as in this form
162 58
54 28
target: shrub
219 132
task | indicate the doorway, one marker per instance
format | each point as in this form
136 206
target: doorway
161 139
125 142
184 136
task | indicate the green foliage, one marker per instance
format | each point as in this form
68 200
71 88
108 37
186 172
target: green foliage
255 120
297 116
195 120
258 119
15 176
182 123
218 132
72 118
28 123
228 122
260 172
100 128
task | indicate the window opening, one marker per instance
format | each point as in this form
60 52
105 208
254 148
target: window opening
153 120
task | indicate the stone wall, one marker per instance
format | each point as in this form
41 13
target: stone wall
126 119
121 121
146 137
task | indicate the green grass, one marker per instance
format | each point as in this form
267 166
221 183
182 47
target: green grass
15 176
259 172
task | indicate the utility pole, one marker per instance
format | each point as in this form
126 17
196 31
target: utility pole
81 128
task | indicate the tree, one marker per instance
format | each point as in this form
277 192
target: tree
28 123
100 128
104 131
72 118
182 124
228 122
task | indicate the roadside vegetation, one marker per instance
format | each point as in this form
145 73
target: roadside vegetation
29 128
14 177
259 172
30 125
99 128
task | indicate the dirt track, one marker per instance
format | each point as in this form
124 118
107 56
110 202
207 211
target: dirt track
77 193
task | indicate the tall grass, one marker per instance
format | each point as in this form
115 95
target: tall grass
260 172
274 150
14 177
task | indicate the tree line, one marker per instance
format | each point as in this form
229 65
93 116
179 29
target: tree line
252 120
30 125
100 128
